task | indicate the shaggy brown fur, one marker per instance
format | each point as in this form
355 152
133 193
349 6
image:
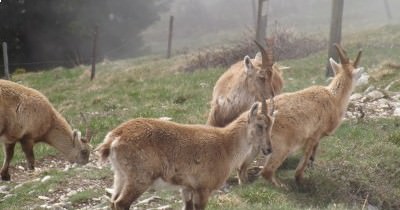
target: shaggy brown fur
196 158
28 117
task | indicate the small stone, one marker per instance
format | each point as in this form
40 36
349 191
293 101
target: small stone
355 96
363 80
375 95
73 192
371 207
20 167
41 197
165 118
8 196
397 112
369 89
4 188
19 185
44 179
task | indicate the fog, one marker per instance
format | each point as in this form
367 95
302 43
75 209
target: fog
213 22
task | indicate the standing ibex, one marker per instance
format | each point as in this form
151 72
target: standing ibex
27 117
308 115
196 158
236 90
239 87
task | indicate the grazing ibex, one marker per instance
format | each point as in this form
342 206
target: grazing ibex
27 117
308 115
236 90
196 158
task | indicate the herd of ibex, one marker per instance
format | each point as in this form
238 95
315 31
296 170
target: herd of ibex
198 159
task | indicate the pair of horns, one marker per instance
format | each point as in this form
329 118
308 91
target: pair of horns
88 132
344 59
267 56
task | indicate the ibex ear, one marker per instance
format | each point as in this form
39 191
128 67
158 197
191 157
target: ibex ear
253 110
76 135
248 66
335 66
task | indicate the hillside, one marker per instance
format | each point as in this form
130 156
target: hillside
356 168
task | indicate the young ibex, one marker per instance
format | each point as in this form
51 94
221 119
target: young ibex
197 158
236 90
308 115
27 117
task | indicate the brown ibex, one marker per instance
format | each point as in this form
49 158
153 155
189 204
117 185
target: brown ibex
27 117
308 115
196 158
239 87
236 90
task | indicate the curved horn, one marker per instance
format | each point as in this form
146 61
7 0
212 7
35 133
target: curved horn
88 132
266 56
355 64
264 107
342 55
272 99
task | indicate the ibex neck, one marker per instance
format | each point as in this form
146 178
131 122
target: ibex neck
60 137
235 141
341 88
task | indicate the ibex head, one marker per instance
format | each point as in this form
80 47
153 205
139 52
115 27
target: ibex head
347 67
80 153
263 67
263 121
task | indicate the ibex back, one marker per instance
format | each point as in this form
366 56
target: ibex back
27 117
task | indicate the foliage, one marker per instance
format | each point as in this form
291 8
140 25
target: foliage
287 44
45 33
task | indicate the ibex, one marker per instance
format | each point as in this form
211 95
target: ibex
196 158
239 87
235 91
27 117
308 115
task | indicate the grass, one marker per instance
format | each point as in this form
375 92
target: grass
357 163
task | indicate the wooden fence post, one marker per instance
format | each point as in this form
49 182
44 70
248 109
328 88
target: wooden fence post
254 12
261 26
5 57
93 72
387 9
171 28
335 34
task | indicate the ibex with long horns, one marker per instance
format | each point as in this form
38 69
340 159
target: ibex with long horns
236 90
308 115
196 158
27 117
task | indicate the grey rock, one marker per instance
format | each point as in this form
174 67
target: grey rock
375 95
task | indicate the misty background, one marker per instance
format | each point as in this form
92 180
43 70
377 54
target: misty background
47 33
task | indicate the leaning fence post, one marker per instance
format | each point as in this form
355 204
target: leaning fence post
171 26
5 57
93 72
